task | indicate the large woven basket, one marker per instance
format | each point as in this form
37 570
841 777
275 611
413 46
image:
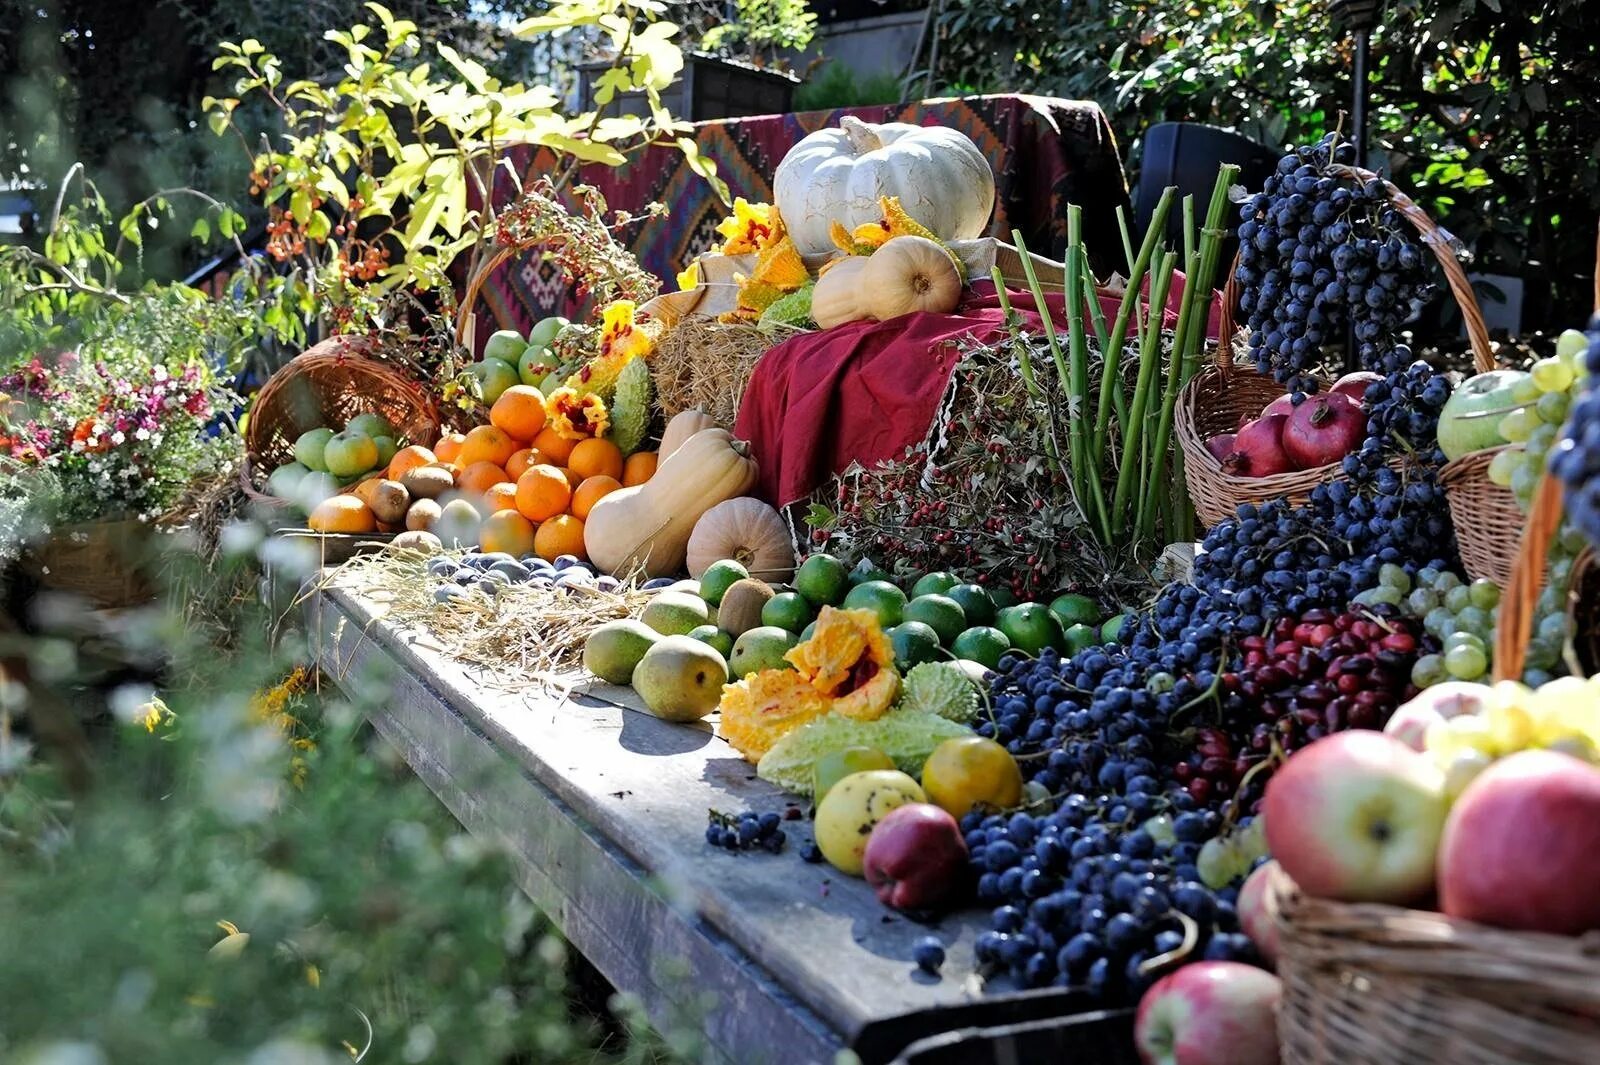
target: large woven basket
1218 396
327 385
102 561
1486 515
1368 984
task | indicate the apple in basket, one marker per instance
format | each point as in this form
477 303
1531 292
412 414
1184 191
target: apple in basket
1210 1013
1521 848
1357 816
1439 703
1258 909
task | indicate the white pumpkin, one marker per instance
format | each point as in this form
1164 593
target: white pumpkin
941 177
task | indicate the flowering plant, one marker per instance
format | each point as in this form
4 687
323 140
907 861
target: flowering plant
117 438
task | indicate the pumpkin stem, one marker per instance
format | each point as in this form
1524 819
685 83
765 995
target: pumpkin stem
920 283
862 137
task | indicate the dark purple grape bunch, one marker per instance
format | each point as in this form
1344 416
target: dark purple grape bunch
746 831
1575 458
1322 256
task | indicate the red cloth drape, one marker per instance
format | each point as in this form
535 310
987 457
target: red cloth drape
868 390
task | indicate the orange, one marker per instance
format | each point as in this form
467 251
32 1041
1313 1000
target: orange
557 448
407 459
502 496
486 444
542 493
640 467
518 463
344 514
559 536
448 449
519 412
508 531
590 492
573 480
479 477
596 458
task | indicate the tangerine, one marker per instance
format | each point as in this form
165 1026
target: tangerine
479 477
639 468
971 771
590 492
342 514
409 458
502 496
485 443
508 531
448 449
518 463
597 457
556 448
542 493
559 536
519 412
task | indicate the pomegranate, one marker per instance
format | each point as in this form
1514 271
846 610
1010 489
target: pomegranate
1324 429
1221 446
1354 384
1258 448
1283 405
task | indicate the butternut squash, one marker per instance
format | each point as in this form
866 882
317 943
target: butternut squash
683 425
647 527
910 274
839 295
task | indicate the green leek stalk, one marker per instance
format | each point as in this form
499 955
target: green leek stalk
1024 362
1088 481
1119 330
1149 358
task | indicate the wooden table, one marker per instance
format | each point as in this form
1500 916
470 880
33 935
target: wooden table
603 810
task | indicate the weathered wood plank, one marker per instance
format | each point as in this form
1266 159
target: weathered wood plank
640 787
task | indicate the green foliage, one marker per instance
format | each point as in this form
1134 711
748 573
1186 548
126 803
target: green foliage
760 29
1484 110
834 85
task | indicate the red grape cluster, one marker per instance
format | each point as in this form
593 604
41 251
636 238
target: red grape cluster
1319 673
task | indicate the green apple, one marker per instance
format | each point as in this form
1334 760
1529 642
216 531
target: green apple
544 333
387 447
494 377
838 764
350 454
536 364
504 346
284 482
373 425
309 447
315 487
1470 420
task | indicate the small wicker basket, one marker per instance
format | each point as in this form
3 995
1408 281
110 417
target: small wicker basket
1218 396
1486 515
105 562
327 385
1368 984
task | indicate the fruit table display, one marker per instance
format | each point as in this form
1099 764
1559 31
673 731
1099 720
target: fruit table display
889 748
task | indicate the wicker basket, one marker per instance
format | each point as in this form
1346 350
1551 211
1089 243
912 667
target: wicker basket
1486 516
98 560
327 385
1217 397
1368 984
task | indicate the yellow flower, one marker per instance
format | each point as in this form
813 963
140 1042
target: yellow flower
870 235
748 229
153 714
622 340
779 270
576 415
690 278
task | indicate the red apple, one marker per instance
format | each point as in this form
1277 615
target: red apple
1210 1013
1284 405
916 857
1258 909
1521 848
1354 384
1441 702
1356 816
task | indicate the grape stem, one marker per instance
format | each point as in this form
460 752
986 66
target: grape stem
1191 939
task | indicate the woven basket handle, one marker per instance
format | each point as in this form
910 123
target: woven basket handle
469 297
1527 574
1432 235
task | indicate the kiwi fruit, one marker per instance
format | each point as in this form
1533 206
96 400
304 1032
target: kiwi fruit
428 482
389 501
740 609
417 540
422 515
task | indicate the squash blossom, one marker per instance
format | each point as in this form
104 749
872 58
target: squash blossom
779 271
575 415
622 340
748 229
689 278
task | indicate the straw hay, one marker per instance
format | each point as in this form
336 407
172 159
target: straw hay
526 636
705 364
